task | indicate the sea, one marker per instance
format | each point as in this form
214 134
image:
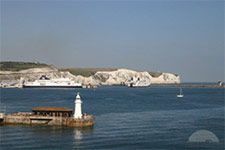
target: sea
125 118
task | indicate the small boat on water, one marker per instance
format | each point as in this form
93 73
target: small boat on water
45 82
180 94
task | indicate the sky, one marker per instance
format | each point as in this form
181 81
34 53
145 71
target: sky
181 37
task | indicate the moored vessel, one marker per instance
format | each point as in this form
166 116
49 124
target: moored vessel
139 83
45 82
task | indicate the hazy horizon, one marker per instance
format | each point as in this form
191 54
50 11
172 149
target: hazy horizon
180 37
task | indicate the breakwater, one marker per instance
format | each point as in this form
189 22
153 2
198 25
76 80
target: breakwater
61 116
189 85
27 118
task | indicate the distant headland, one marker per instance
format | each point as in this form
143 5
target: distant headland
14 71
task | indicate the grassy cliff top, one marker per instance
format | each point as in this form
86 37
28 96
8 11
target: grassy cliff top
86 72
17 66
155 74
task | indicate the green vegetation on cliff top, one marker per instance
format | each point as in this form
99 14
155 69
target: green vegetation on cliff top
86 72
155 74
17 66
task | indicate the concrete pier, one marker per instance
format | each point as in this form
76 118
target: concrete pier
61 116
27 118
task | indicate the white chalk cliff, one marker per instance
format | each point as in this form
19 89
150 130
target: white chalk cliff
120 76
124 76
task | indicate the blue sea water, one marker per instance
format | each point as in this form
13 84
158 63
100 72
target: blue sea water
125 118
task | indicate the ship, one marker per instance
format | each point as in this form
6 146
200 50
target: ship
45 82
139 83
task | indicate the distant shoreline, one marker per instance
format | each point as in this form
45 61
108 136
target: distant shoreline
164 85
188 85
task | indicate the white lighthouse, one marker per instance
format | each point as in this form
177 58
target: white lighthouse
77 111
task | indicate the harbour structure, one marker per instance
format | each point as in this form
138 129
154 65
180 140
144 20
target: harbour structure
190 85
52 116
52 111
1 117
220 83
78 111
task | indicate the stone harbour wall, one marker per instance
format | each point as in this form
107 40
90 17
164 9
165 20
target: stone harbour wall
87 120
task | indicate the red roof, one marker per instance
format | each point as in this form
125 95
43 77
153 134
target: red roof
51 109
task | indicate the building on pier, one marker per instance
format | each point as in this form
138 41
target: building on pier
52 111
51 116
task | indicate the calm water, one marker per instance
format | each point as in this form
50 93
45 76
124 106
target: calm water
125 118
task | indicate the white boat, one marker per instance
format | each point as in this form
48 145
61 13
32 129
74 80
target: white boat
45 82
139 83
181 93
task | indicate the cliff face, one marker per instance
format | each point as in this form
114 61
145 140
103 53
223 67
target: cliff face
120 76
124 76
32 74
51 72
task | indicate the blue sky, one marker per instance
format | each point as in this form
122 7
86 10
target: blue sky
182 37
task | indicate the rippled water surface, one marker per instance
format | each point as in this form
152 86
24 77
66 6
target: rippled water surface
125 118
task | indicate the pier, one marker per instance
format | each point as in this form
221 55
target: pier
60 116
27 118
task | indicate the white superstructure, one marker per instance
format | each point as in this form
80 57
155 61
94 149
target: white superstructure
139 83
78 111
45 82
2 115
